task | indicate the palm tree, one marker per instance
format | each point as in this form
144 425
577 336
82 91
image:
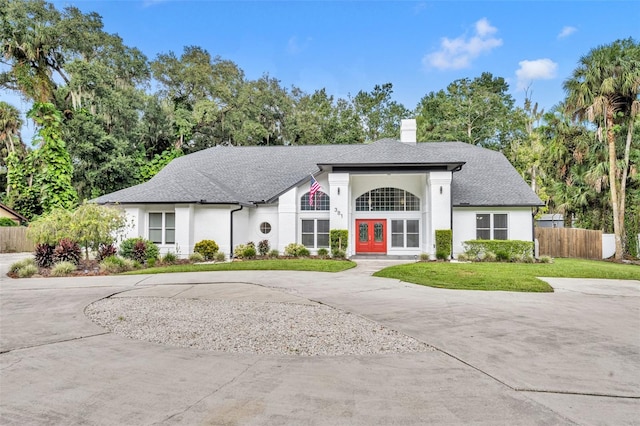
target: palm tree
10 123
604 89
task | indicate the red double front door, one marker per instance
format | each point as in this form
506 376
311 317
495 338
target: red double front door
372 236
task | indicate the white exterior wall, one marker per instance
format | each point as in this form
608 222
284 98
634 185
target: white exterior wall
438 197
194 223
258 215
184 230
519 222
211 222
287 228
135 222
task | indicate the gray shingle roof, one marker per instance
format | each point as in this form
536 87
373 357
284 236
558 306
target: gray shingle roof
228 175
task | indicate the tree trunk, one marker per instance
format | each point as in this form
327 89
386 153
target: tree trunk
623 181
611 141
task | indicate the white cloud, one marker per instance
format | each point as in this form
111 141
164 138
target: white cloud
539 69
458 53
567 31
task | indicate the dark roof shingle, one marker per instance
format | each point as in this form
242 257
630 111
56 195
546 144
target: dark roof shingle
229 175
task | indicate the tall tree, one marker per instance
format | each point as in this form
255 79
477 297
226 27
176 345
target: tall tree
478 111
379 115
10 141
317 119
54 179
604 89
526 151
64 58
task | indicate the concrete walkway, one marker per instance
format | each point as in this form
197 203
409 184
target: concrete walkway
569 357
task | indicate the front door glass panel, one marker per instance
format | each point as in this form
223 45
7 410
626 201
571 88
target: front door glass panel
377 233
364 232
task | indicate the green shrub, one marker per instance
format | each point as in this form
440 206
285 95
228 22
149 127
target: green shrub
274 254
207 248
338 254
27 271
21 264
139 249
514 249
196 257
295 250
220 257
237 252
443 243
264 247
63 269
338 239
462 257
43 255
67 251
545 259
527 259
304 252
5 221
489 257
170 258
116 265
424 257
503 256
249 252
323 252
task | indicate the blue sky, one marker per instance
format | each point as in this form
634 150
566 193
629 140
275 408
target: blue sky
347 46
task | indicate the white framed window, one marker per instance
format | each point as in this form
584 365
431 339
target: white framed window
315 233
387 200
320 202
492 226
162 227
405 233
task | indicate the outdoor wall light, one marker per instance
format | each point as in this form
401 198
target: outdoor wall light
338 190
440 190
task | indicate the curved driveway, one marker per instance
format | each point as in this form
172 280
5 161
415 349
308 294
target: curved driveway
569 357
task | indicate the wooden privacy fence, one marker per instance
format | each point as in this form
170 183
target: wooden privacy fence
569 242
14 239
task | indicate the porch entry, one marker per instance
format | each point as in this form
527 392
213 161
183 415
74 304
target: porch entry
372 236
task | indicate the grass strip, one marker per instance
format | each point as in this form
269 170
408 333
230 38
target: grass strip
505 276
315 265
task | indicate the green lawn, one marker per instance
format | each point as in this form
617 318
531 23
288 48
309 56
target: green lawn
317 265
505 276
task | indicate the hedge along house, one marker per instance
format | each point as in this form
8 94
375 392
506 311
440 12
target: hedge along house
390 195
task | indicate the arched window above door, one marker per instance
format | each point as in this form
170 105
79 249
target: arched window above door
387 200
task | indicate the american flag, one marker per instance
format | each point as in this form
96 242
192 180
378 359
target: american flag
315 187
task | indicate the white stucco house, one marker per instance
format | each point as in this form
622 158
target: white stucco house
391 196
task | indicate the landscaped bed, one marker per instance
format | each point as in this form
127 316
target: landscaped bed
505 276
92 267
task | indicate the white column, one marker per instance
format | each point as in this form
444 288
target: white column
287 219
439 194
184 230
339 207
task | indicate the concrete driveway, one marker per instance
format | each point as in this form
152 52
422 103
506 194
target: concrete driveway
569 357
